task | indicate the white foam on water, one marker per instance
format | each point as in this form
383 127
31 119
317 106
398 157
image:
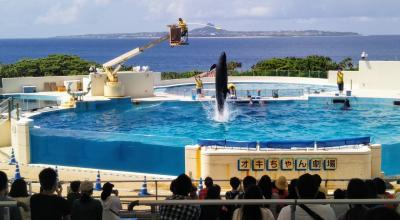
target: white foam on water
229 113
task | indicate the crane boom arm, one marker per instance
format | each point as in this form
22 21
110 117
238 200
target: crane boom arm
109 66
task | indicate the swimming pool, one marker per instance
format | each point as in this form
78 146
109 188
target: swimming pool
150 137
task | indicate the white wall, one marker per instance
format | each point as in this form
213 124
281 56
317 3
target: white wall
374 75
13 85
136 84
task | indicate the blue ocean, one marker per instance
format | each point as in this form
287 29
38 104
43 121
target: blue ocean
203 52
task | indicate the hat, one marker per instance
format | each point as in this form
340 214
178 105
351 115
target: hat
281 183
86 186
108 186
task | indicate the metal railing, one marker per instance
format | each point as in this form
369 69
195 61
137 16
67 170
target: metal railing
5 109
242 93
154 205
5 209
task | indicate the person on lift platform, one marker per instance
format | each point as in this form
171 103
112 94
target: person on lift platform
184 30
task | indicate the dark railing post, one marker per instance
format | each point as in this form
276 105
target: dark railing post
17 111
156 182
9 109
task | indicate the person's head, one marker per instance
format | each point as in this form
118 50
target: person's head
214 192
183 185
180 19
340 68
318 179
380 185
48 179
265 185
18 189
235 183
74 186
307 188
3 183
371 189
281 183
251 212
357 189
208 181
86 190
107 190
86 187
382 212
172 187
339 194
292 189
248 181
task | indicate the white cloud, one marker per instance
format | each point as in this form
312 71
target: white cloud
68 12
62 14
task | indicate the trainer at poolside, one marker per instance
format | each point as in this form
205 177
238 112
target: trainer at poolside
340 80
199 85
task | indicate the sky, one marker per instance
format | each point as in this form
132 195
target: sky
48 18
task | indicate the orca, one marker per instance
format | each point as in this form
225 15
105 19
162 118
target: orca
221 82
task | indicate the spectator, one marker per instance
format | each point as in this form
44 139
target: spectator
86 208
321 190
74 192
46 204
340 209
19 192
265 185
111 203
253 212
292 194
279 192
193 193
380 187
14 211
382 213
183 186
247 182
213 212
208 182
356 189
307 189
371 192
172 187
235 193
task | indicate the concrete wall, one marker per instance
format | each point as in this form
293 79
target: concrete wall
373 75
14 85
136 84
279 79
5 133
223 164
20 139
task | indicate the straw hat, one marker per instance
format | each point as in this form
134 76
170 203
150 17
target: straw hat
86 186
281 183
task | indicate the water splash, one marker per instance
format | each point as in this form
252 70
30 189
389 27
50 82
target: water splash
229 113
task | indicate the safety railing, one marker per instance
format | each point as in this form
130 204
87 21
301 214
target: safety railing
293 203
284 73
5 109
5 209
257 93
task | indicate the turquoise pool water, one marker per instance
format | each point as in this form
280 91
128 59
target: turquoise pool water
150 137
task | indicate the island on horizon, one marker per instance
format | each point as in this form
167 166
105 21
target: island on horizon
210 32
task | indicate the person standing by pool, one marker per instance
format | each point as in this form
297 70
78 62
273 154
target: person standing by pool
199 85
340 81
